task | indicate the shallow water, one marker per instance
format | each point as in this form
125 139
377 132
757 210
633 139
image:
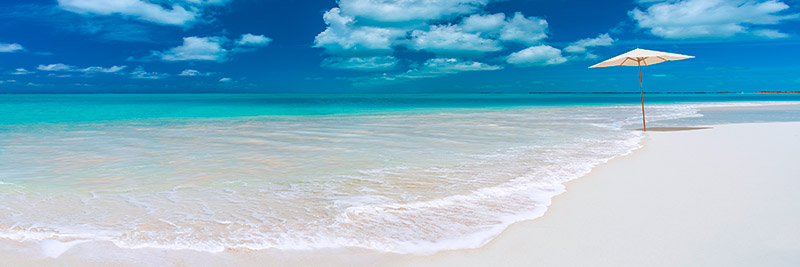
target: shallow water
405 179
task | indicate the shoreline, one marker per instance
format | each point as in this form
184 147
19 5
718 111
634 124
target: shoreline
630 211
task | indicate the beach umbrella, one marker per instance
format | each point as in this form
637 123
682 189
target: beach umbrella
640 57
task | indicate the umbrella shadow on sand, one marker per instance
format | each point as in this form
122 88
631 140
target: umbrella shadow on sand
672 129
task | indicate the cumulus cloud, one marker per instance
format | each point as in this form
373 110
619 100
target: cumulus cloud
196 48
450 39
518 28
581 45
361 63
70 68
453 65
476 34
21 71
178 13
371 34
489 24
524 30
225 80
540 55
10 47
253 40
689 19
212 48
191 72
769 34
409 11
432 68
344 37
56 67
140 73
111 69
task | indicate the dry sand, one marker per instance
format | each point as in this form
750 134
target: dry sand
727 196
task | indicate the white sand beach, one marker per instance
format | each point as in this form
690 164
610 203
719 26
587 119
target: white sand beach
724 196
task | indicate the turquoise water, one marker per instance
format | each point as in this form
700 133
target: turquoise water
73 108
398 173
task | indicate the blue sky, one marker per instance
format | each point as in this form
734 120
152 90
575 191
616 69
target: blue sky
393 46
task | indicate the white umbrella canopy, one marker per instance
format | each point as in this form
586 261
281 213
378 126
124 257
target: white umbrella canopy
640 57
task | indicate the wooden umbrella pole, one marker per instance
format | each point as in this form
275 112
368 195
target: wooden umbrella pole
641 91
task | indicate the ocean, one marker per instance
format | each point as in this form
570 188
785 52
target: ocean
394 173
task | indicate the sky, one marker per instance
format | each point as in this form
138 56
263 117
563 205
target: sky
394 46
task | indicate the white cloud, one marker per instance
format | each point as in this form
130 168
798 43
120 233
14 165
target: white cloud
581 45
370 34
112 69
191 72
540 55
361 63
770 34
140 73
450 39
21 71
10 48
342 36
253 40
409 11
454 65
476 34
56 67
70 68
486 24
212 48
518 29
435 67
196 48
178 13
711 18
225 80
524 30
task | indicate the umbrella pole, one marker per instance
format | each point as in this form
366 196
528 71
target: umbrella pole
641 92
